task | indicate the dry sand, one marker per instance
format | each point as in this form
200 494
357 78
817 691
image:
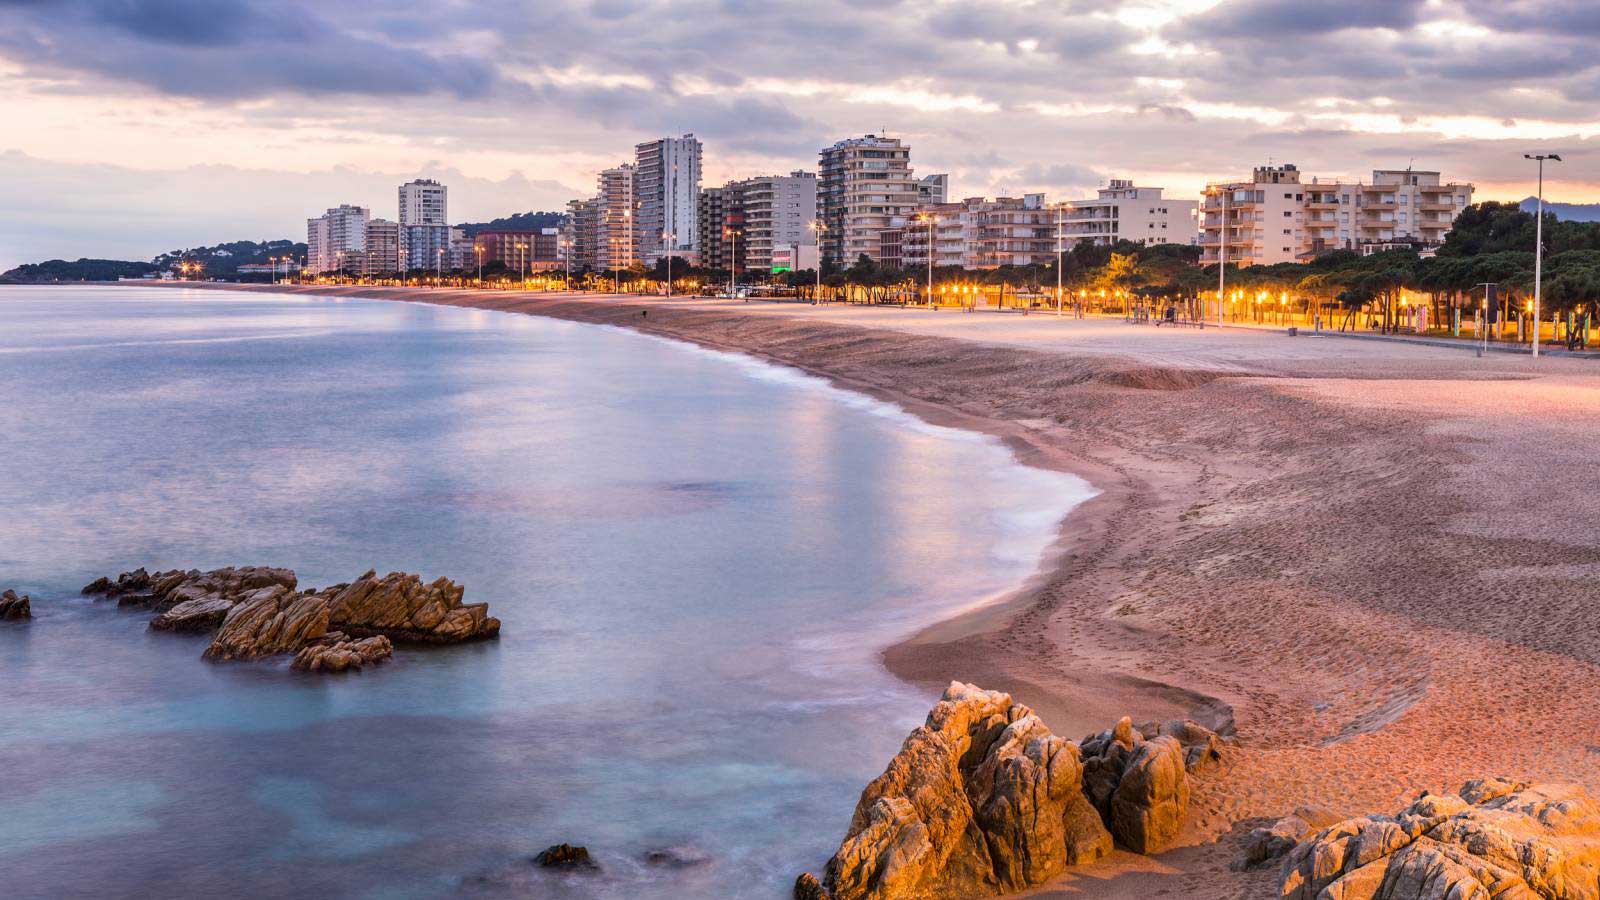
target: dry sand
1381 560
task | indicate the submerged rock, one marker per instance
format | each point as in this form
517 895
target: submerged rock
1498 838
13 606
400 607
565 856
984 799
334 653
268 621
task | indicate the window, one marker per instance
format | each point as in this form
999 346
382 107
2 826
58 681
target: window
1287 214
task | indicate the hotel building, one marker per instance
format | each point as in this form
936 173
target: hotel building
667 190
977 233
1278 217
865 186
1126 212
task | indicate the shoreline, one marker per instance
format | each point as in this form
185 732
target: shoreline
1363 553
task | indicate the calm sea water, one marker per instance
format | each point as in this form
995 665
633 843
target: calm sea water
696 558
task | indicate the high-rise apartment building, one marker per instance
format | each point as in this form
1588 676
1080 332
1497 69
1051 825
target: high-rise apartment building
583 232
383 248
865 187
616 241
720 212
1126 212
335 239
667 189
423 202
425 248
778 211
1276 216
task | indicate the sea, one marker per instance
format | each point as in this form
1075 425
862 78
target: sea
697 558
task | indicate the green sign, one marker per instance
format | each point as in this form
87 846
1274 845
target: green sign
780 269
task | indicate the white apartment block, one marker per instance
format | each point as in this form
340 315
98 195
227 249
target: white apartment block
865 187
423 202
1277 217
977 233
1126 212
933 189
335 236
667 189
778 212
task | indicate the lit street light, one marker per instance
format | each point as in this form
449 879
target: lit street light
1538 245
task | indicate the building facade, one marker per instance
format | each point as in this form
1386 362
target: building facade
538 250
425 248
583 217
720 215
978 233
336 239
616 241
667 190
776 211
424 202
932 189
864 187
1126 212
383 248
1279 217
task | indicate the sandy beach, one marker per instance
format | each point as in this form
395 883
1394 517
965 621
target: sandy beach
1380 561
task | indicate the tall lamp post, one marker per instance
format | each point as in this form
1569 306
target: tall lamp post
1061 255
1538 244
438 268
929 220
477 248
1222 255
566 256
733 265
667 238
819 228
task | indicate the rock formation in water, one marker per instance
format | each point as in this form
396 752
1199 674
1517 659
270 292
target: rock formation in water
269 621
165 590
565 856
255 612
984 799
333 652
1497 839
400 607
13 606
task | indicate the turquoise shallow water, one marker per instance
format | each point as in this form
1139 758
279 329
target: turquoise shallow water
696 558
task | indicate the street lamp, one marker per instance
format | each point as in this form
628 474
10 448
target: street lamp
1222 254
478 249
733 263
1061 254
667 238
566 256
1538 244
929 219
818 226
438 268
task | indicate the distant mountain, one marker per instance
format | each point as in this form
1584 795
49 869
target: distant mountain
1569 212
219 261
528 221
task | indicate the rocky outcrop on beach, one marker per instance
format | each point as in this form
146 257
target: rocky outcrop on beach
163 591
1496 839
269 621
1271 842
15 606
984 799
334 652
400 607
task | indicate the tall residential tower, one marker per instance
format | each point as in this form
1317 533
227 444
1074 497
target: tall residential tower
865 187
666 188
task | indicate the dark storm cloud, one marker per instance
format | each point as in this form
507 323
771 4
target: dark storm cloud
1265 18
227 49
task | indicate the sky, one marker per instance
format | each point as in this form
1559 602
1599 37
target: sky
133 127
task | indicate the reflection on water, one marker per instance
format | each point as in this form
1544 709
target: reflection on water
695 556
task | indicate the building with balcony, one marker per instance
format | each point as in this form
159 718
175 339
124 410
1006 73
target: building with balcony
336 240
865 186
1280 217
721 214
537 250
977 233
383 248
933 189
423 202
616 238
425 248
1126 212
775 211
667 191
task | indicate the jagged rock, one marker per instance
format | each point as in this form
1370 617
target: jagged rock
565 856
1152 798
1273 841
981 799
807 887
194 616
270 620
1498 839
334 653
165 590
399 606
13 606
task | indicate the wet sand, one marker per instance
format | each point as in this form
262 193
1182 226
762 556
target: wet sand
1382 561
